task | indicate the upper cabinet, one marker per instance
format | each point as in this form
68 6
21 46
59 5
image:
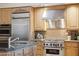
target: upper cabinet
40 24
55 19
6 15
46 18
72 17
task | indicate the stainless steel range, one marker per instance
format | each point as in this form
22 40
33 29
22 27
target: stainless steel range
54 47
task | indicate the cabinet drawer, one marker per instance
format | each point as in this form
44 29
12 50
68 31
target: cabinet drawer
67 44
39 54
39 43
75 44
39 51
40 46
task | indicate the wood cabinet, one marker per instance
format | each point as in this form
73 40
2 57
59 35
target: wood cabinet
40 24
39 50
0 16
19 52
71 48
29 51
72 17
6 53
6 15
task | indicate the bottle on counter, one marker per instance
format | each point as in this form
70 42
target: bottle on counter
77 36
69 37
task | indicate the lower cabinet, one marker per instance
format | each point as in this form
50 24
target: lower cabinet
18 52
71 49
39 50
10 53
28 51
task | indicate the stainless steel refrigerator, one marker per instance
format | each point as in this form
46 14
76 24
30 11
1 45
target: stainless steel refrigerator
20 26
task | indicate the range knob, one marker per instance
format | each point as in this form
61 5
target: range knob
61 45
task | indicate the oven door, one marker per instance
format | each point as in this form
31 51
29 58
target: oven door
54 52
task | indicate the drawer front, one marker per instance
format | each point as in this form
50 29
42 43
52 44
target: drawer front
41 47
39 51
3 54
39 54
75 44
6 53
39 43
67 44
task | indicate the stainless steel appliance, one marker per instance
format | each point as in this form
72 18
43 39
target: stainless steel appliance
5 33
5 30
20 25
18 31
54 47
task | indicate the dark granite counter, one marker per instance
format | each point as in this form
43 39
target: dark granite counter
18 47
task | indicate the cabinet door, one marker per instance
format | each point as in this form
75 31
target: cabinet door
6 15
71 51
28 51
0 16
19 52
39 51
72 17
74 52
67 51
40 24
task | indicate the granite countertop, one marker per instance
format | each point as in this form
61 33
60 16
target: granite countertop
72 40
18 47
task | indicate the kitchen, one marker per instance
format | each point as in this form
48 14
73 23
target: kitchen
39 29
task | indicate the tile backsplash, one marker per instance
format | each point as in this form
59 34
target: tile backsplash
56 34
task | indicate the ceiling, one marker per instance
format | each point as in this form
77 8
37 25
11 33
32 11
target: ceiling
5 5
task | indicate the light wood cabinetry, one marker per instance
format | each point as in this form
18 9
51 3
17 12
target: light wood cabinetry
71 48
39 50
72 17
40 24
29 51
6 15
6 53
0 16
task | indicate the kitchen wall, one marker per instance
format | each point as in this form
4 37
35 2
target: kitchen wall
55 33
